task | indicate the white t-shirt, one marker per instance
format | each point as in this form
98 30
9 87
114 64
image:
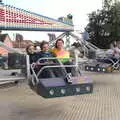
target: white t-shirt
110 52
117 52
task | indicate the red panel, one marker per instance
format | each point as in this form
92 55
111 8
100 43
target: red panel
20 18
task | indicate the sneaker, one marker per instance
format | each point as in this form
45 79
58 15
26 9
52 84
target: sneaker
69 78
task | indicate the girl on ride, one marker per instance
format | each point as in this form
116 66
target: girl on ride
44 53
63 56
60 52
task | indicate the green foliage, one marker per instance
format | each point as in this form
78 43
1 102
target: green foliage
104 25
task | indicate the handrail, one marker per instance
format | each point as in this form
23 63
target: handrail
61 65
56 66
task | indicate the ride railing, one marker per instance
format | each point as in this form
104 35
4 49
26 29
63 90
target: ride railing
54 64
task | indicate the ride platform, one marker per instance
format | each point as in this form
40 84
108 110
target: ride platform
57 87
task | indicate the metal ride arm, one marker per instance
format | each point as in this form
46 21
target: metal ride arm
60 36
86 45
9 82
10 49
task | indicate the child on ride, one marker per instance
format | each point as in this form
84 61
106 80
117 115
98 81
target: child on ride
60 52
64 57
44 53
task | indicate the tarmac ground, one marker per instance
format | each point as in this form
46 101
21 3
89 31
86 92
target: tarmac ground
21 103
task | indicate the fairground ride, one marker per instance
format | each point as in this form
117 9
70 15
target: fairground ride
12 18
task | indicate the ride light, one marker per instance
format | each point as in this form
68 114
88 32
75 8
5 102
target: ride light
78 89
103 70
63 91
51 92
87 68
98 69
92 68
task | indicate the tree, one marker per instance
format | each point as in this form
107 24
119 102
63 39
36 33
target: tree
104 25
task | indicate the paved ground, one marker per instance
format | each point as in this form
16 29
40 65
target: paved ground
21 103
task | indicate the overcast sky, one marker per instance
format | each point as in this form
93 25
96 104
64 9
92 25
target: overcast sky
56 8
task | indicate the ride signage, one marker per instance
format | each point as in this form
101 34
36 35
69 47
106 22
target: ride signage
12 18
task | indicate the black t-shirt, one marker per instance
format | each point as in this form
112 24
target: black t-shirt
42 54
